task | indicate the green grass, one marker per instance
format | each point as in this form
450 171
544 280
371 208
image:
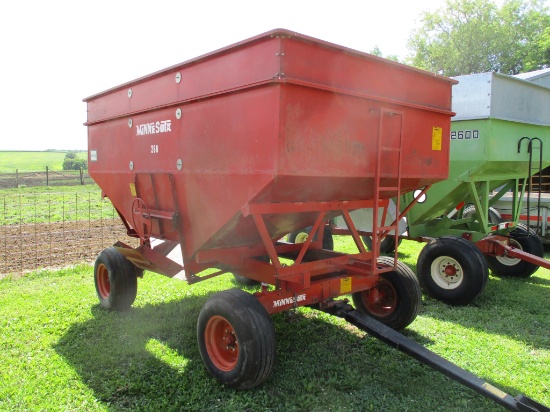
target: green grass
60 351
32 161
40 190
35 205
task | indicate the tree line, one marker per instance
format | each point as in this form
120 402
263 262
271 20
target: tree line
476 36
73 162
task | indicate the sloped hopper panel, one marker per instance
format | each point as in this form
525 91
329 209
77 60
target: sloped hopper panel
278 118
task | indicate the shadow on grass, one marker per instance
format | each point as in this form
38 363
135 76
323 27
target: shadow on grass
513 307
535 280
145 358
148 359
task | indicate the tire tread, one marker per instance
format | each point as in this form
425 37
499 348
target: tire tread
122 277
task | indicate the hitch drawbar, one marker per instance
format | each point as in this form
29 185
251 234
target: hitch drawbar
398 341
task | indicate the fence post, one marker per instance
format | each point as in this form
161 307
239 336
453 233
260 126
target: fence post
16 177
47 177
81 177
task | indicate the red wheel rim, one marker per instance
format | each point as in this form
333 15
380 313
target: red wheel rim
103 284
221 343
381 300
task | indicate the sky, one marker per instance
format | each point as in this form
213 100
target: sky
55 53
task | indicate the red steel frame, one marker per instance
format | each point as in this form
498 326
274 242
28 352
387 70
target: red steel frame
303 105
496 245
315 277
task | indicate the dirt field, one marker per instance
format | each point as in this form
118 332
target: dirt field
29 247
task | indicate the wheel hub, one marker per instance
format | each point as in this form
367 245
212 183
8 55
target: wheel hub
450 271
221 343
447 273
230 340
103 284
374 296
510 261
382 299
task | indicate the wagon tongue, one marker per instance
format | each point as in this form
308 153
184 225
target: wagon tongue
408 346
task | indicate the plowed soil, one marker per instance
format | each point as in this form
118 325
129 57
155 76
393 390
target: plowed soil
52 245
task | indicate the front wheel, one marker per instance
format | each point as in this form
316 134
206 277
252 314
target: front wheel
523 239
387 245
452 270
300 236
115 280
395 300
236 339
494 216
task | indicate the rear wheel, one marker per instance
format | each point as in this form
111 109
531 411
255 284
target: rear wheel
115 280
386 246
236 339
452 270
523 239
494 216
300 236
395 300
243 280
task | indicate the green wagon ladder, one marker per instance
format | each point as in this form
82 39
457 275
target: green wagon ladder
532 171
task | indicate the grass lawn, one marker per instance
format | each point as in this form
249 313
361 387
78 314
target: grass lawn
31 161
34 161
41 204
45 190
60 351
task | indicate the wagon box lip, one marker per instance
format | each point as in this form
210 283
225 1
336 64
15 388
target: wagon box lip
260 37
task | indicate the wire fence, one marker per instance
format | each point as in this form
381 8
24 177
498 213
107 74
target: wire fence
50 230
19 178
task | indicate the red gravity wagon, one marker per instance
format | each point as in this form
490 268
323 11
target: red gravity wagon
212 161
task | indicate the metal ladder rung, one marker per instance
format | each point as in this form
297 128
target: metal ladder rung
393 191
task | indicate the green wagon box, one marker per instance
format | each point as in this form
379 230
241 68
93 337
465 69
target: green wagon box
500 136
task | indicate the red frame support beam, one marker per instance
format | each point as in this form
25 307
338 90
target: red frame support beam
500 246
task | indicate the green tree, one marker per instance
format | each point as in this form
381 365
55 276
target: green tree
476 36
72 162
376 51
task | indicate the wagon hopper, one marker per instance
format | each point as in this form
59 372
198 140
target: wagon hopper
224 154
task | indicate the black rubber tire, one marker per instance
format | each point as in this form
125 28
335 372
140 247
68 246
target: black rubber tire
386 246
243 280
494 216
247 328
402 291
452 270
115 280
328 241
528 241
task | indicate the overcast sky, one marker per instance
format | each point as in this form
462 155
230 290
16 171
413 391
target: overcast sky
55 53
